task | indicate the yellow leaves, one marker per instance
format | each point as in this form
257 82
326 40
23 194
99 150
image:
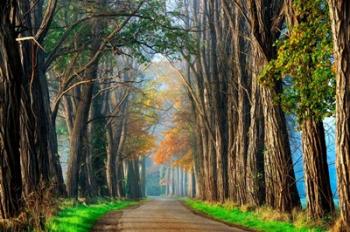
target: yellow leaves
175 144
140 145
146 144
139 140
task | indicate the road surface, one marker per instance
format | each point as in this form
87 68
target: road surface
163 215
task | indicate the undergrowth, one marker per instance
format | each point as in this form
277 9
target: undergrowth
260 219
82 217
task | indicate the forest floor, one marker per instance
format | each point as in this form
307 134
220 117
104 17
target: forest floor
159 215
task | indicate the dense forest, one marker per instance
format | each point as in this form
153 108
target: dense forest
212 91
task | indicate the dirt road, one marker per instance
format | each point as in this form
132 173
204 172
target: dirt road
164 215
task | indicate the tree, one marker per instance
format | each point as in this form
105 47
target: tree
281 192
89 70
340 19
11 78
31 115
139 141
304 63
82 115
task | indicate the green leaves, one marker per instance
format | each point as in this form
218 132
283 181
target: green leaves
155 31
304 63
152 29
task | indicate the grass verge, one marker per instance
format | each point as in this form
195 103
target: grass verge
248 219
81 218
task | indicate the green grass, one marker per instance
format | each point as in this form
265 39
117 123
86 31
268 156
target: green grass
82 218
248 219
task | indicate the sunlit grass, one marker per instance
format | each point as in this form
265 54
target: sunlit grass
248 219
82 218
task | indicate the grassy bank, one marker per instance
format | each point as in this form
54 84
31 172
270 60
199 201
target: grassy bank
260 220
81 218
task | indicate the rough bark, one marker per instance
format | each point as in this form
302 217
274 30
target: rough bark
218 90
242 50
279 173
255 156
232 124
10 89
232 133
279 163
56 176
34 139
318 188
340 17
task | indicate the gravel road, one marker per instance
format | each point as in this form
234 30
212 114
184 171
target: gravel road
161 215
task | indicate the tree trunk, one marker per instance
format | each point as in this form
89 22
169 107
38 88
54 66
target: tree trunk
167 177
87 181
279 163
340 17
98 143
34 130
143 177
120 179
81 117
173 182
218 90
56 176
11 84
232 138
76 141
243 107
193 185
133 180
111 163
318 188
55 165
205 145
198 164
279 173
255 157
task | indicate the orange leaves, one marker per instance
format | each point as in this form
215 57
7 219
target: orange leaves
175 144
141 117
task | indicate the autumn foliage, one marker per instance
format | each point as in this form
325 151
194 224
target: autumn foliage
175 148
175 144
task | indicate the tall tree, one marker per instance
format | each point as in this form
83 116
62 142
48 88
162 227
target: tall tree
11 76
340 18
281 192
32 131
308 92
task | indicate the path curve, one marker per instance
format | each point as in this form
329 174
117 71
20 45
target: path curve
164 215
